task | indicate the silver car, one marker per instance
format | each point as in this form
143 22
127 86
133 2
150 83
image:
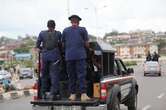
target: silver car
4 75
26 73
152 67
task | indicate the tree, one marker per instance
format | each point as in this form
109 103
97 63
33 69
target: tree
114 32
161 45
5 40
27 44
22 49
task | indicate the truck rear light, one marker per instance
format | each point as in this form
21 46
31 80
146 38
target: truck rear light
103 95
35 90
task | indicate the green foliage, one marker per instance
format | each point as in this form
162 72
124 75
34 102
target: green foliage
114 32
21 49
130 63
28 43
28 63
23 63
162 46
5 40
161 43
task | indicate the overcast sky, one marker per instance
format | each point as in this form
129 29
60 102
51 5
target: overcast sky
20 17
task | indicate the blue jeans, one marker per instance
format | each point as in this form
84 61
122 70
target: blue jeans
76 70
50 77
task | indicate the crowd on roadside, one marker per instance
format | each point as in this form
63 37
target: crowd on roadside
7 76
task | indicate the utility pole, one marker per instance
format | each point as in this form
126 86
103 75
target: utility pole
68 8
96 18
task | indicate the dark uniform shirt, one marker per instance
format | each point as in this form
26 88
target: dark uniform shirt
74 39
50 55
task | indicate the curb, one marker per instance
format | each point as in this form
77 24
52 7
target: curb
16 94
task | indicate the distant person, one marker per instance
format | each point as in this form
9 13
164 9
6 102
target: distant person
155 56
17 72
50 40
12 71
149 56
75 40
6 84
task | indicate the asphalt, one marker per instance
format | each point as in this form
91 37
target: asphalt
152 94
152 90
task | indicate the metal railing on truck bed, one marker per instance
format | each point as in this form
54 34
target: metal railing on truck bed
52 104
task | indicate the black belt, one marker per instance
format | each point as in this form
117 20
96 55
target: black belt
44 50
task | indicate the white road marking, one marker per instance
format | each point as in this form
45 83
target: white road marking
161 95
146 107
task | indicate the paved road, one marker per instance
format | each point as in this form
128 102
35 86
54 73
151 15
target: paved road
152 94
152 90
23 83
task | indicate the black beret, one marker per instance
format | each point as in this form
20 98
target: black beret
75 16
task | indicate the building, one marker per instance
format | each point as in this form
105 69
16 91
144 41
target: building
135 50
117 37
161 35
6 52
138 35
23 56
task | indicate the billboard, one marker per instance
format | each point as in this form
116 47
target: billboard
23 56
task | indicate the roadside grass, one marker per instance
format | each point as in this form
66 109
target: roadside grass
130 63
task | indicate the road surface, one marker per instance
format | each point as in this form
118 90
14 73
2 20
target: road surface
152 94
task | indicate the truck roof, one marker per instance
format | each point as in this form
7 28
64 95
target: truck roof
103 46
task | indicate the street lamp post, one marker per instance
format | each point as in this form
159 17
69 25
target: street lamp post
95 12
96 18
68 8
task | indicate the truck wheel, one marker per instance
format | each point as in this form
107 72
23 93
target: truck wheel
51 108
115 105
159 74
144 74
133 102
34 107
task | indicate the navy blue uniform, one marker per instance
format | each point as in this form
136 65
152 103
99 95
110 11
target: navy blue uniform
50 57
74 39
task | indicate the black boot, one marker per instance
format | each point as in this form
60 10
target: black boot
44 96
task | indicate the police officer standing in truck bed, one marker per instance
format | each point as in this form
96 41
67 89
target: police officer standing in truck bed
48 42
75 40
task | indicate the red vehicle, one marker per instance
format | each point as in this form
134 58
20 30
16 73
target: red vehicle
109 82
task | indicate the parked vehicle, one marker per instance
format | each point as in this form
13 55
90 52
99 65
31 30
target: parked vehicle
26 73
4 75
152 68
109 82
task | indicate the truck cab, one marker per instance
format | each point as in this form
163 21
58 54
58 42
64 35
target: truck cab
109 81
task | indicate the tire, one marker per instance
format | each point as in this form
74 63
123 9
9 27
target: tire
144 74
133 102
159 74
115 105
